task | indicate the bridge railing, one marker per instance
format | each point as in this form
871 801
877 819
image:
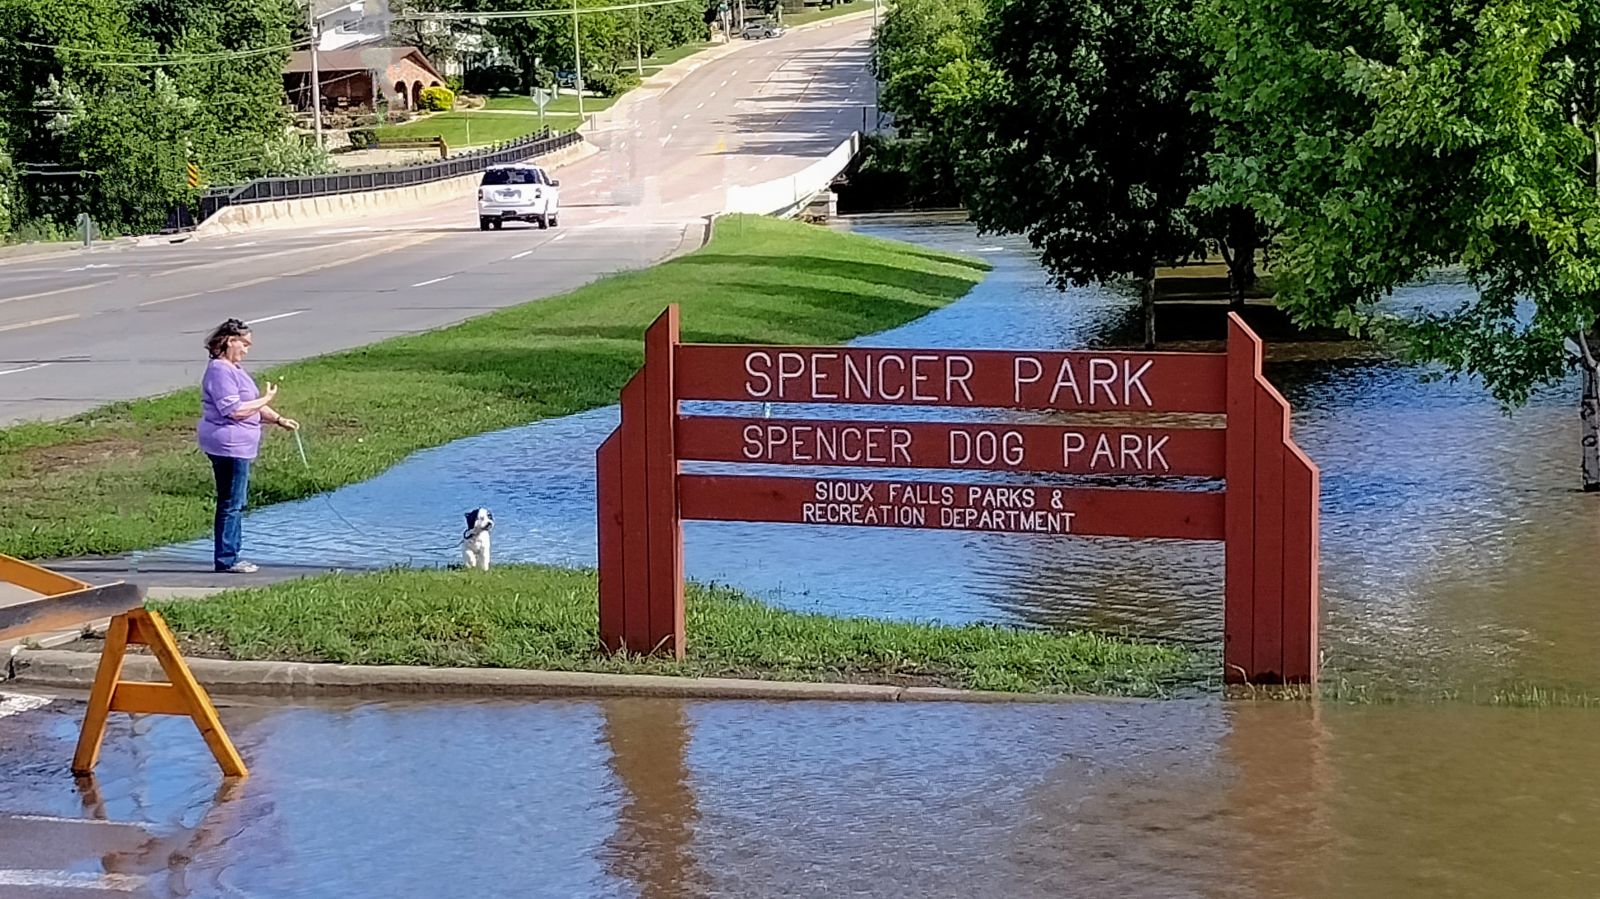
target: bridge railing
265 190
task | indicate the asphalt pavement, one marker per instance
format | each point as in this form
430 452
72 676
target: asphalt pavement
78 330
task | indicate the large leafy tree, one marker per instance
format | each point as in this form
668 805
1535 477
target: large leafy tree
1087 139
103 102
1380 139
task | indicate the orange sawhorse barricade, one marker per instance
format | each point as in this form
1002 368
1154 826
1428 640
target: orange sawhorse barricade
1266 516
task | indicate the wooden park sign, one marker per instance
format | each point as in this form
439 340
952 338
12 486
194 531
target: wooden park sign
1266 516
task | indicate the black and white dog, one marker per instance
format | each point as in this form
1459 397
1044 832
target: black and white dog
475 540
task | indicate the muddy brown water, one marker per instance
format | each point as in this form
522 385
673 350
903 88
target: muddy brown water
663 799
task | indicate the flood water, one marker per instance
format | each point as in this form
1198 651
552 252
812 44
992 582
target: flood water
664 799
1453 544
1453 539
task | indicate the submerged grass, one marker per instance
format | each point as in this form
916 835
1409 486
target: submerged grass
128 476
546 618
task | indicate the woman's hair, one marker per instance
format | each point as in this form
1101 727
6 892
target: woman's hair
217 343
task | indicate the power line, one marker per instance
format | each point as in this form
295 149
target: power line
153 61
531 13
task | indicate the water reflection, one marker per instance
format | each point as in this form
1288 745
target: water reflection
652 847
1452 538
651 798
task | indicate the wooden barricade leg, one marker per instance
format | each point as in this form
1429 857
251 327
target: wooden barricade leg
664 530
609 539
183 695
105 680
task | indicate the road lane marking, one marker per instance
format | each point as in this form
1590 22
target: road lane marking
17 703
411 242
51 293
181 296
273 318
56 819
72 880
700 105
256 257
432 281
524 253
665 139
39 321
561 236
18 371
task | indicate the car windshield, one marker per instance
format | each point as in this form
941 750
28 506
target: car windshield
494 177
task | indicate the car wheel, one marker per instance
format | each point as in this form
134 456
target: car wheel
542 222
499 223
555 221
483 223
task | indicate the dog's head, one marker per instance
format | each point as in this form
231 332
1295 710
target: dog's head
479 520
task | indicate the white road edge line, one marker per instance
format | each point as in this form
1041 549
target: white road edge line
71 880
432 281
18 371
39 321
54 819
273 318
561 236
522 254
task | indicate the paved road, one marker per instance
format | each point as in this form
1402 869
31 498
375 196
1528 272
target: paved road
82 329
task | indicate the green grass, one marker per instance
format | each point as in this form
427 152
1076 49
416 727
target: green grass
818 13
546 618
128 476
564 105
468 129
658 61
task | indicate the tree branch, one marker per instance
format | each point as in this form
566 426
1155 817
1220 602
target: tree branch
1588 354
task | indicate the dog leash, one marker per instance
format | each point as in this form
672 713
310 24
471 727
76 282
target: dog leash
327 501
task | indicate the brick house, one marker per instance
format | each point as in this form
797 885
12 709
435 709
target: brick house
351 78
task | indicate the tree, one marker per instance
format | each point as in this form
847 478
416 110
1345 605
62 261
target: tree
1088 141
1379 140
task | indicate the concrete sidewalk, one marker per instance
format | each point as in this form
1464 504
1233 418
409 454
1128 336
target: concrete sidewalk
75 671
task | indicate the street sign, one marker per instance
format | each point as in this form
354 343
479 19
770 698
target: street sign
193 173
541 97
1266 517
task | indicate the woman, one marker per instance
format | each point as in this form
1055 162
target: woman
231 413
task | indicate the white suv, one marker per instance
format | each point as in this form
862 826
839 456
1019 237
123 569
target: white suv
523 193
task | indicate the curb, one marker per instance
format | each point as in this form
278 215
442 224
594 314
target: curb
76 670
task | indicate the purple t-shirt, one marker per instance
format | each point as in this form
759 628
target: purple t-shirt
223 388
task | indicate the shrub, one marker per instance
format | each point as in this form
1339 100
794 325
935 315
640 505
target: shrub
610 84
438 99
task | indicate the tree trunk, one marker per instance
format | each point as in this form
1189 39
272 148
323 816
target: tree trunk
1590 413
1243 241
1147 299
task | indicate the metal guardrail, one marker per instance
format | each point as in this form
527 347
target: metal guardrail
265 190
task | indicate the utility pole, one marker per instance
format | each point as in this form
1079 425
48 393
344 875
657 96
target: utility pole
577 58
638 38
316 80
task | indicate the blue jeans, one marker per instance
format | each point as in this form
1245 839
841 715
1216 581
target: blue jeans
233 481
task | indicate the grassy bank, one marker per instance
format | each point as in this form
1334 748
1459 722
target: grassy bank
128 476
546 618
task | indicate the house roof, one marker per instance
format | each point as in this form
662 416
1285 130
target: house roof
357 59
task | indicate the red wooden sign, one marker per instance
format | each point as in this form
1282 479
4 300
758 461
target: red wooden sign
1267 515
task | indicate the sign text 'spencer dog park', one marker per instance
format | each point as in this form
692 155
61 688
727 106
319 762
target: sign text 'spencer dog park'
1267 515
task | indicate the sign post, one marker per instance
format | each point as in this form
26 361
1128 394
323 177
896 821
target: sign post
1266 516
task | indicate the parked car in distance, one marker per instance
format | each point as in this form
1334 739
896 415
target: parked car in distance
518 192
757 30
